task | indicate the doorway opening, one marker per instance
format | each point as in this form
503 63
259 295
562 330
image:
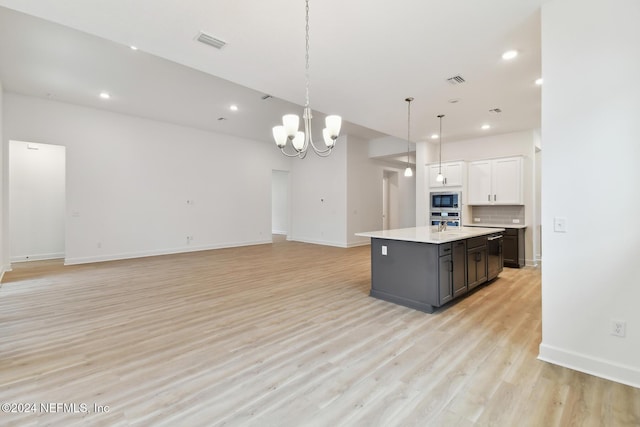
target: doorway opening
390 202
279 205
36 201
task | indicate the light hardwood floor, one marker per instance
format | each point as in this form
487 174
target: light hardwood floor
280 335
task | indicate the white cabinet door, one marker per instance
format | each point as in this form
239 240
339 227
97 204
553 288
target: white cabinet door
479 183
495 182
507 181
453 173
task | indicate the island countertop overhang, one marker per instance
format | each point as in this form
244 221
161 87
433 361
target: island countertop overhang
428 234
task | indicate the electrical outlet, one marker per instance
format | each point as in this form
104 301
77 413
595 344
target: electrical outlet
515 221
618 328
476 219
384 250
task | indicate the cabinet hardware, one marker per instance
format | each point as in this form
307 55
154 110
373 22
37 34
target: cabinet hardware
488 197
494 197
451 266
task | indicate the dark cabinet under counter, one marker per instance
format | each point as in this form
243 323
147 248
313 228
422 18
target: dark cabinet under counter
512 244
513 247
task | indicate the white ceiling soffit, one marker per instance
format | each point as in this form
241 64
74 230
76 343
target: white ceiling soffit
366 56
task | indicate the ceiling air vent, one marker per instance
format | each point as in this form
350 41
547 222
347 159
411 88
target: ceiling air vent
495 110
210 40
222 119
456 80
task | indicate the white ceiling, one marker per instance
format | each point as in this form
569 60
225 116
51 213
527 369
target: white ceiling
366 56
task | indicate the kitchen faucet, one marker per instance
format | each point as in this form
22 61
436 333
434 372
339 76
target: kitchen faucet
442 226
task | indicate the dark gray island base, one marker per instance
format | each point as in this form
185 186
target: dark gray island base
425 275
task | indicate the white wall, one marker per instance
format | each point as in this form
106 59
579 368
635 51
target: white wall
4 255
36 200
138 187
319 197
591 149
505 145
335 197
280 202
364 192
388 146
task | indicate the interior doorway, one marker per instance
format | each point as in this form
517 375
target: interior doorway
279 204
390 205
36 201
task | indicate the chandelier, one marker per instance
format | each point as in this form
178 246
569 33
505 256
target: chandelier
288 131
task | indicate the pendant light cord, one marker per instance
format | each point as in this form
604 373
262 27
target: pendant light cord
440 134
408 127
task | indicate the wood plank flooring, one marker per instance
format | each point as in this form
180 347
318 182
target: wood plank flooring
280 335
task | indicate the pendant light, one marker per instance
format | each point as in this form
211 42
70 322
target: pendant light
408 172
288 131
440 177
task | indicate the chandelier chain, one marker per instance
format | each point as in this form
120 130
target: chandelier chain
306 57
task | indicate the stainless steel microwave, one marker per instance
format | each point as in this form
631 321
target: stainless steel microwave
446 200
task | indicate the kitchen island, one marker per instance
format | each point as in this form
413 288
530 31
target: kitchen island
423 268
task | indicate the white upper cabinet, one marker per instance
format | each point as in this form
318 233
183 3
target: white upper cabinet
453 172
495 182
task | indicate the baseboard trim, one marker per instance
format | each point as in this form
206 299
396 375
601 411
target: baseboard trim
602 368
356 244
37 257
143 254
317 242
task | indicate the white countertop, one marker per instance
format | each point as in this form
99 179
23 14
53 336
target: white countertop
428 235
491 225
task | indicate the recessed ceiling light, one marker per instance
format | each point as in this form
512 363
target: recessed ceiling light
510 54
539 81
485 127
133 47
105 95
434 136
233 108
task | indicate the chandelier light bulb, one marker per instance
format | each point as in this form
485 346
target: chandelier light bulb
408 172
329 141
280 136
298 141
333 123
291 122
440 177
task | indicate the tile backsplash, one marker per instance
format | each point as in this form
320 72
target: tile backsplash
497 214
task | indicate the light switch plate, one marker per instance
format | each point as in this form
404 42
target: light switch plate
515 221
560 224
